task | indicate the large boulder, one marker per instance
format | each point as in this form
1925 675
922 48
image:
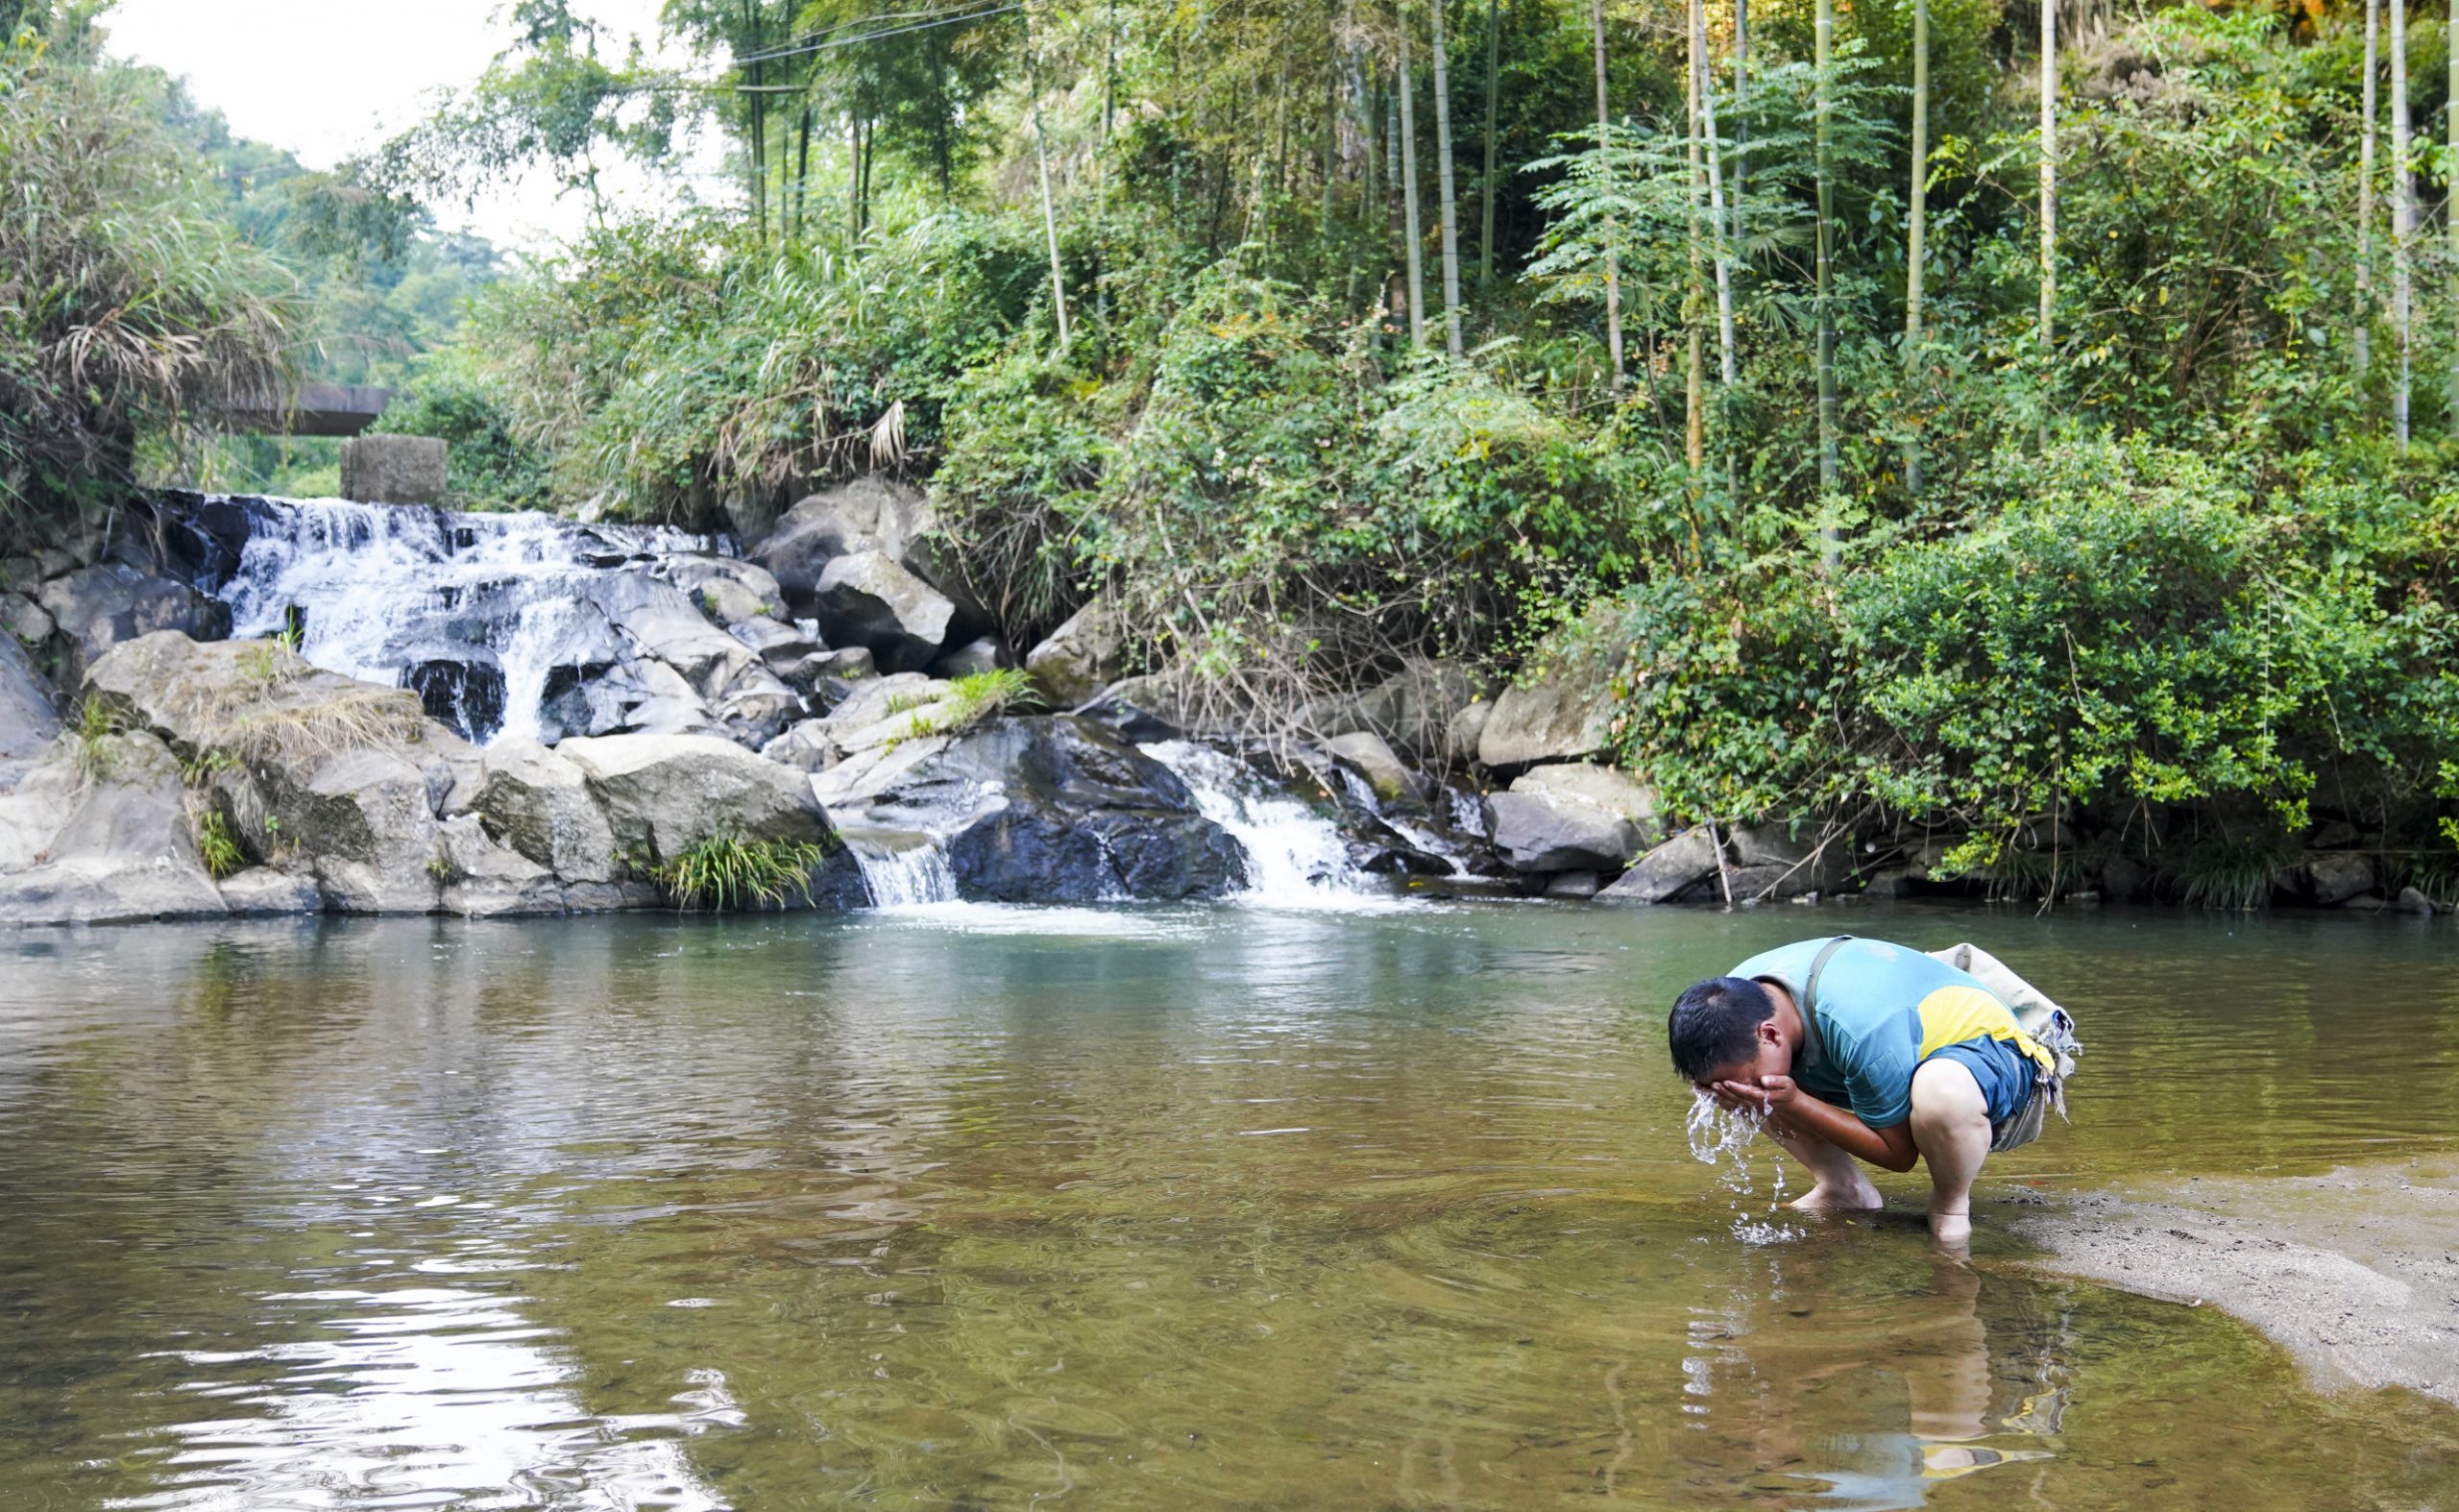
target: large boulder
1376 761
1572 817
28 721
483 879
1563 707
363 823
338 779
1052 809
1082 656
1672 869
1544 832
121 846
663 793
539 803
2335 876
866 599
868 514
1413 709
96 608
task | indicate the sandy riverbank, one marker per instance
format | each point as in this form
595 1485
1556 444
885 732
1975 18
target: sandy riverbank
2356 1272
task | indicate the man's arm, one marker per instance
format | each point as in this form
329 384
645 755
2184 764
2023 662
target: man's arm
1797 1112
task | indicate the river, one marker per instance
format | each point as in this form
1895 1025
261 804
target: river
969 1206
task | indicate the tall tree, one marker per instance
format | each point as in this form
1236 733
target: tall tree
1415 230
1694 299
2365 189
2403 224
1824 48
2048 176
1486 227
2450 204
1605 155
1041 165
1916 228
1450 206
1719 245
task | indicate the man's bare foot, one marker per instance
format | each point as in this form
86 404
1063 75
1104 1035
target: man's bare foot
1953 1229
1859 1195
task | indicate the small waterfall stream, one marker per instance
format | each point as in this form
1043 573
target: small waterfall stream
476 612
1295 857
903 871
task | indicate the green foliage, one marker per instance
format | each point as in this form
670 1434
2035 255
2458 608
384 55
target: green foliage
1279 508
217 843
90 732
670 366
2111 631
131 312
724 872
455 399
976 698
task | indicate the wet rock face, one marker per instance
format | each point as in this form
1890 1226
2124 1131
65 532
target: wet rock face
1056 809
96 608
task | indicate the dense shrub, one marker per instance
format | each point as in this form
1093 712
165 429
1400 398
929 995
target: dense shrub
2111 632
130 310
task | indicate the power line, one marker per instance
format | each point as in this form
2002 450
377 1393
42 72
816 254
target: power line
810 41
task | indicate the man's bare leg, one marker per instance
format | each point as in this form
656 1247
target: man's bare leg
1835 1178
1951 1129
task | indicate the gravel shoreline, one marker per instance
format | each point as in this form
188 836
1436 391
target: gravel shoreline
2357 1273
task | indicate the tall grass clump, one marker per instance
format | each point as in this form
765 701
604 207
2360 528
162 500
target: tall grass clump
132 314
725 872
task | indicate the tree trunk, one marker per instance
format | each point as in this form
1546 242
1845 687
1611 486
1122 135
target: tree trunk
1917 228
2365 190
1694 299
2403 224
1486 227
1605 155
1444 189
1414 232
1825 51
1741 109
1723 256
2048 181
1049 219
2450 203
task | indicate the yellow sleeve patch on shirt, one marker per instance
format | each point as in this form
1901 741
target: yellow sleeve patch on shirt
1954 1015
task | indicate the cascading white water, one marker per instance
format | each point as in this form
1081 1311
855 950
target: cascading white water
384 588
903 871
1295 857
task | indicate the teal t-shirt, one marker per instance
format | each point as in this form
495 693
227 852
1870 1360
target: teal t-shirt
1882 1011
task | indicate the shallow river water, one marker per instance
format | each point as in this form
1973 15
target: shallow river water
970 1208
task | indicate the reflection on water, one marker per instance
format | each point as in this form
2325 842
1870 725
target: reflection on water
1172 1208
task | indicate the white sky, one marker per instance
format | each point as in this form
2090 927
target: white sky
328 78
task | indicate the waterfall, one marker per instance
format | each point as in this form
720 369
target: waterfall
476 612
1295 856
903 871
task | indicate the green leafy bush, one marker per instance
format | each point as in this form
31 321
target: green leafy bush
2111 631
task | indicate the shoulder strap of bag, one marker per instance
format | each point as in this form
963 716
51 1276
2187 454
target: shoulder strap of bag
1817 964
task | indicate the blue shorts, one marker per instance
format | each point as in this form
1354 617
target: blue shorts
2004 1073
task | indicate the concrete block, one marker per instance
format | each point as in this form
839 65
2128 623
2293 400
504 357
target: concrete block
395 470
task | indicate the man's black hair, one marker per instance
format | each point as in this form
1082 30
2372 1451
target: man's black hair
1716 1023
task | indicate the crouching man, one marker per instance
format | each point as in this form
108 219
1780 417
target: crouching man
1861 1050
